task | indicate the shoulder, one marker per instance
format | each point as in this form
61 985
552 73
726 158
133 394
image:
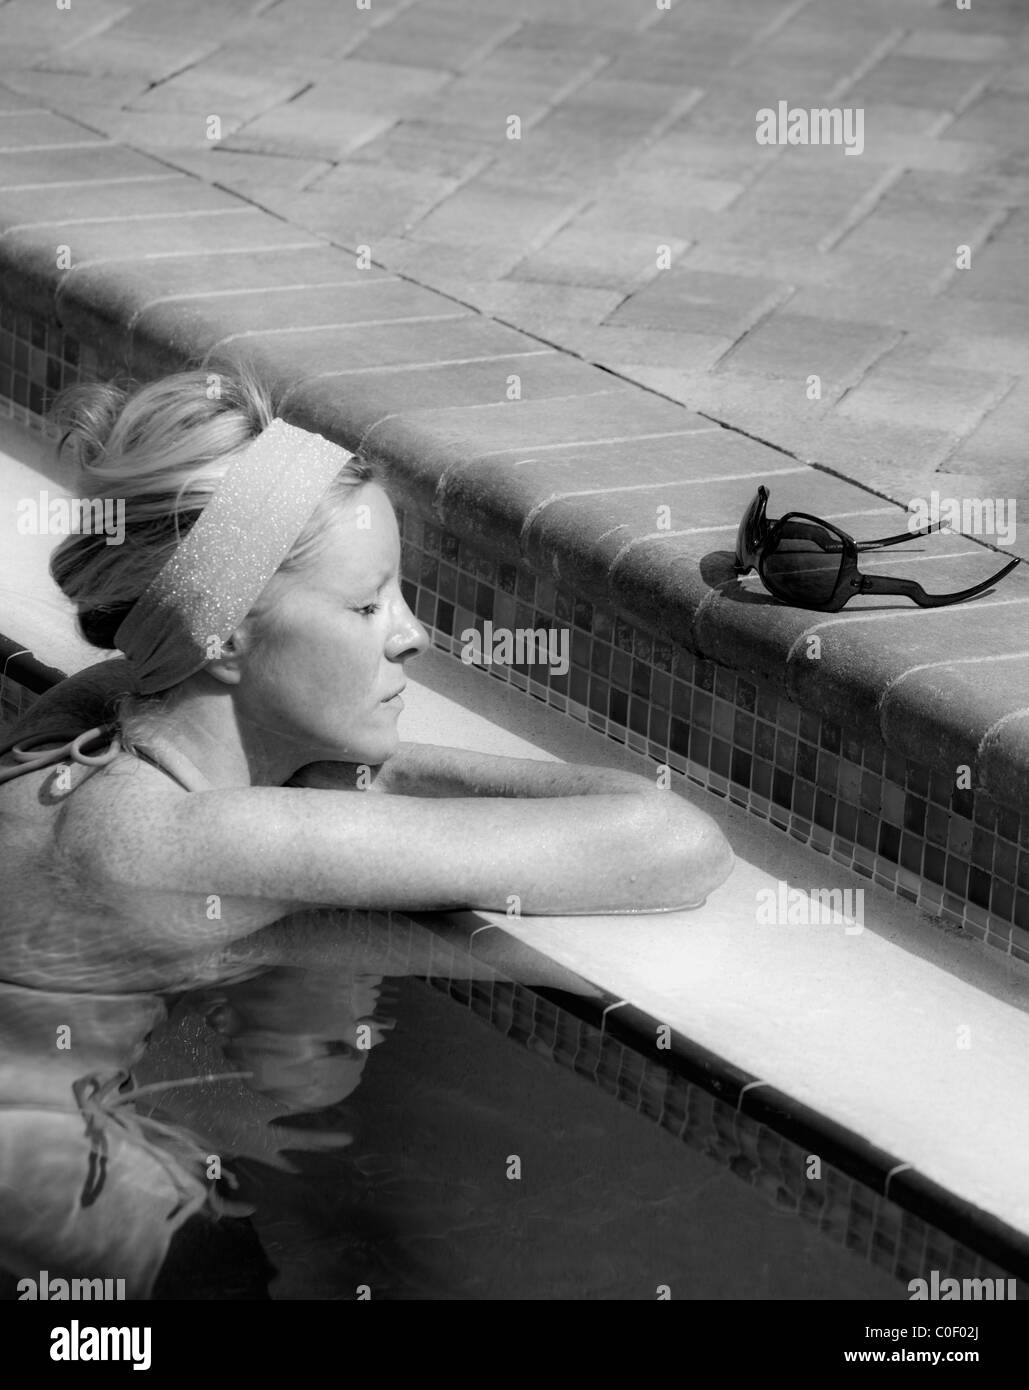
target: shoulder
96 813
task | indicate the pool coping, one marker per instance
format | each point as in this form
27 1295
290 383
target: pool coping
416 381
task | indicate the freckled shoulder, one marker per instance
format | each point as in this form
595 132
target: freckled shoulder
98 804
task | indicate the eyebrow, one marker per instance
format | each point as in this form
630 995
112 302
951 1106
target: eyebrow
383 575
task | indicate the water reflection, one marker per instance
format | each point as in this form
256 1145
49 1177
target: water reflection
125 1117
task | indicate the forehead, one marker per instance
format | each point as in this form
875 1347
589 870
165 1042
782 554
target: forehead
362 535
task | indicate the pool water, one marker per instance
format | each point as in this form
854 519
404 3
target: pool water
420 1203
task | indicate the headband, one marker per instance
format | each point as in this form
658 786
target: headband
238 542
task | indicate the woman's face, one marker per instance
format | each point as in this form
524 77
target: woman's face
325 662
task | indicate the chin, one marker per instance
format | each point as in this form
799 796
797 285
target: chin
374 752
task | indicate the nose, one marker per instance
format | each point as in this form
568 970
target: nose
409 637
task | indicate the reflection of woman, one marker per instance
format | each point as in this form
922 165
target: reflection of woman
257 601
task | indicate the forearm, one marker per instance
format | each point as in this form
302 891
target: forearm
419 769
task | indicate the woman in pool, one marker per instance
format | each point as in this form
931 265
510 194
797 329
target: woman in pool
251 766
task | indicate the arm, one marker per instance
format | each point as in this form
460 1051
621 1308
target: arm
424 769
613 851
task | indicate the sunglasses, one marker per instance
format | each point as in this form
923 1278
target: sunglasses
811 563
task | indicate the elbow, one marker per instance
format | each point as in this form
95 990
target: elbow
713 861
690 858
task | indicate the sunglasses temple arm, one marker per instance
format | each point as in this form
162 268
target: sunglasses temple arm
899 540
881 585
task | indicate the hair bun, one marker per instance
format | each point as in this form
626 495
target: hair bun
86 415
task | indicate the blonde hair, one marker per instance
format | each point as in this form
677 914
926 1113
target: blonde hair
162 450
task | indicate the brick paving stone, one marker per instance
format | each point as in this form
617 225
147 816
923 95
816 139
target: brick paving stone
308 132
906 80
487 212
923 151
575 257
58 89
700 302
384 393
482 108
548 158
990 351
965 48
227 232
676 218
930 231
549 37
19 18
100 201
224 84
159 21
998 118
107 56
28 170
439 38
353 218
869 452
445 265
94 294
704 452
736 157
38 129
13 101
244 173
1015 229
802 229
154 130
329 29
994 271
793 346
265 310
18 54
1014 81
375 88
1000 438
448 438
903 388
528 304
575 12
426 147
632 351
787 264
408 345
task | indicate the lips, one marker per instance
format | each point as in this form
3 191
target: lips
396 694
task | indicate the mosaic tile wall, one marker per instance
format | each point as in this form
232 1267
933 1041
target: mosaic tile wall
954 853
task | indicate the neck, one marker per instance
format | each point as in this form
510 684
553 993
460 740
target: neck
199 722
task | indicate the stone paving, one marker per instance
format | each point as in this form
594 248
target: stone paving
588 171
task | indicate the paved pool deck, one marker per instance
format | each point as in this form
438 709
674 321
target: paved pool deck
586 346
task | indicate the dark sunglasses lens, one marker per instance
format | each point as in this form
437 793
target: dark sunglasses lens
803 566
745 542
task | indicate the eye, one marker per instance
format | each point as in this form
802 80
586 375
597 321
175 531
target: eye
369 610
